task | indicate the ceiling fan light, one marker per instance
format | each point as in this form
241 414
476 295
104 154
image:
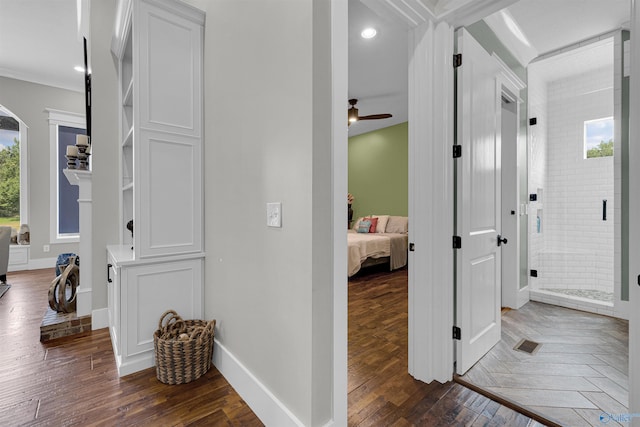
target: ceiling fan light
353 114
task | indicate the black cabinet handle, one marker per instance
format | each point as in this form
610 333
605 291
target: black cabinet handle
109 273
604 209
501 240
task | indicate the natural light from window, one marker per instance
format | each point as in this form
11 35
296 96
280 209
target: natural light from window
9 170
598 138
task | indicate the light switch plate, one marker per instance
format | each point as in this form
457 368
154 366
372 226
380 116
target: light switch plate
274 214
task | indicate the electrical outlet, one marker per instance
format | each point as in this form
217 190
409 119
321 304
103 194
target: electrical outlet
45 248
274 214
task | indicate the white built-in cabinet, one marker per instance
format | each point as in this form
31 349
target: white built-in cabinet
159 45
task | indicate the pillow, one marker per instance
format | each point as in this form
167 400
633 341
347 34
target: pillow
374 223
398 224
356 223
364 226
382 223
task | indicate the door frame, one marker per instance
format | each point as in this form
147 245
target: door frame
510 86
432 340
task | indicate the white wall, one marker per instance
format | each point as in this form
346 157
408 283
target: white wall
267 139
105 144
578 243
28 101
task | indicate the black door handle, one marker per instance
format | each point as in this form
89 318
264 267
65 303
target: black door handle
501 240
109 273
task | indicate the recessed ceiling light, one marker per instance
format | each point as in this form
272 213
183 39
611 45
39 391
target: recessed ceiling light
79 69
368 33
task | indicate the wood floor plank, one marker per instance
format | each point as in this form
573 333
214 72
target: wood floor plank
73 381
381 392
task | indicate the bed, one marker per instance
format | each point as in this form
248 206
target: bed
381 246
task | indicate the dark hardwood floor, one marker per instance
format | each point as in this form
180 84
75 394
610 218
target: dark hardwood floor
73 381
381 392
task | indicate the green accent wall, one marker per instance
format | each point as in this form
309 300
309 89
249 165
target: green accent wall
379 171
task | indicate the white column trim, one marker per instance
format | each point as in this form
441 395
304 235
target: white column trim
634 226
431 202
339 141
84 297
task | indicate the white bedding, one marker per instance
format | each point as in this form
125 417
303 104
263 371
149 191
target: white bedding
375 245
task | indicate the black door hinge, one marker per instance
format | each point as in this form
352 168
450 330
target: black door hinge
457 242
533 121
457 60
457 151
457 333
412 247
534 273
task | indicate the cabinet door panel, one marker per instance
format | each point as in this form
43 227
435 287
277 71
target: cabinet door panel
170 198
169 81
153 289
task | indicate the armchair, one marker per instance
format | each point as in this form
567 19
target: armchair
5 240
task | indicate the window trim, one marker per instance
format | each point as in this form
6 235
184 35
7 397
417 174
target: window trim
59 118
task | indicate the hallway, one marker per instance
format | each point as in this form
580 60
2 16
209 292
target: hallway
578 373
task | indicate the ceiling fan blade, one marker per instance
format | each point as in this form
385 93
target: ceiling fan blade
375 117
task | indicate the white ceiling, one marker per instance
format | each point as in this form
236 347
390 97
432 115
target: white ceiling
39 43
548 25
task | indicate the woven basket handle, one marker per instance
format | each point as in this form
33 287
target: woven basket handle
171 317
201 332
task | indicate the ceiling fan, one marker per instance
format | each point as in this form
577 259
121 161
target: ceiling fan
353 113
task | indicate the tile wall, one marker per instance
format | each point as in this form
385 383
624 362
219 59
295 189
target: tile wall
573 247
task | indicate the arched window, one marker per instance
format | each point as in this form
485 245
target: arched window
13 170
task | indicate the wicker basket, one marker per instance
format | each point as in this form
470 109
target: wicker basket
183 348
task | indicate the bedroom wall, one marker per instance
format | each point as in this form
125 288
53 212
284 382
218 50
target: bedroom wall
270 289
28 101
378 171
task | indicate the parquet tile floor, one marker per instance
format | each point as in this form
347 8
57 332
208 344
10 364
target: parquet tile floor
381 392
579 372
73 381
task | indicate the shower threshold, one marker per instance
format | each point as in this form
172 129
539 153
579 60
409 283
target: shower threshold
578 299
584 293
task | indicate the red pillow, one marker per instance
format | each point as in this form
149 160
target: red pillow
374 224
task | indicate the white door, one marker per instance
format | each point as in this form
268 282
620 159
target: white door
510 210
478 187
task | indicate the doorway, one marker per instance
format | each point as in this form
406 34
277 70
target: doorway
572 178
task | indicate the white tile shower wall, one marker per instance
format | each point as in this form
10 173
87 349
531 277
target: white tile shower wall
537 93
578 244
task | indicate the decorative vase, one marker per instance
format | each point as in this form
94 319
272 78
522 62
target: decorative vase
24 235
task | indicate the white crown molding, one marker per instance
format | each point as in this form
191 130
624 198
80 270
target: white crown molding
523 53
457 13
43 79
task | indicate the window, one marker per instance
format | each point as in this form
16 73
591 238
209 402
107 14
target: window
65 224
598 138
13 170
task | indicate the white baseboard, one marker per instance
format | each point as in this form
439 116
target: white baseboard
523 297
100 318
37 264
270 410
